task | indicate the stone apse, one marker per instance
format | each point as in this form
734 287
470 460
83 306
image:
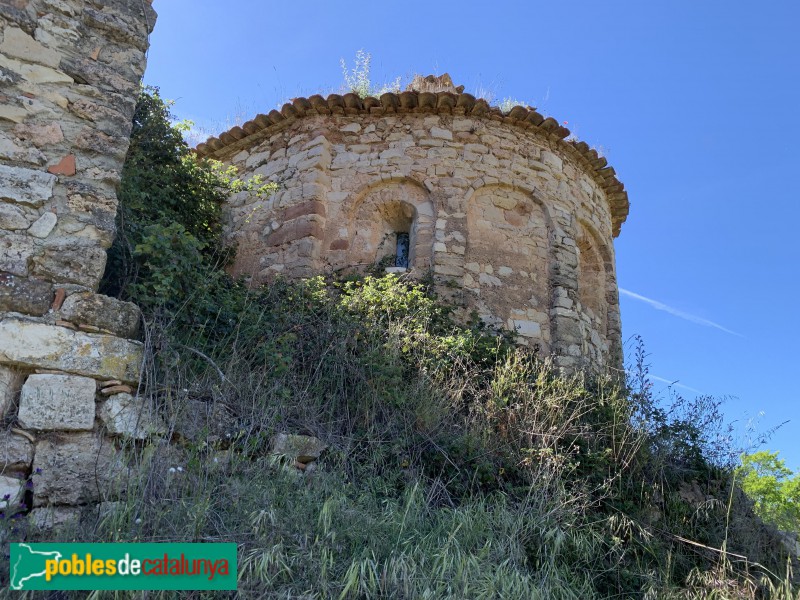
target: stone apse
514 219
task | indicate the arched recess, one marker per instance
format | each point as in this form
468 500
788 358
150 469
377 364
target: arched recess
507 260
384 211
594 278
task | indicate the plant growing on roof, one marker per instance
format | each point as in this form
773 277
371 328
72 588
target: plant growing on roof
358 80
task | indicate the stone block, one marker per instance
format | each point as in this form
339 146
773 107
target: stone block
57 402
552 160
105 77
448 270
196 420
116 26
10 386
34 73
32 344
528 328
53 517
76 469
240 157
102 143
24 295
40 134
19 44
25 186
15 13
10 491
476 148
12 217
10 150
442 134
256 160
16 252
486 279
9 112
43 225
117 316
504 202
128 416
71 263
312 207
16 453
295 230
108 119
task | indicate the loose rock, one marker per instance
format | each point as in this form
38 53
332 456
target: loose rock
301 448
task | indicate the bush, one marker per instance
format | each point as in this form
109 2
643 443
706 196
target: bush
169 231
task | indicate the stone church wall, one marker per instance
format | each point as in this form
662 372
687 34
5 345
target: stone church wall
69 76
514 223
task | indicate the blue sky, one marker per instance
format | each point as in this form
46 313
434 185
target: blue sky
695 104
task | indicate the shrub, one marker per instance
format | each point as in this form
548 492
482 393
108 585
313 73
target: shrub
169 231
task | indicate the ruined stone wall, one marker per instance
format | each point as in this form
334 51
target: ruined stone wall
514 222
69 77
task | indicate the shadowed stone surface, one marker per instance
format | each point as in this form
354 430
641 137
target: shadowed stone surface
24 295
52 517
16 453
25 186
302 448
76 469
10 385
119 317
128 416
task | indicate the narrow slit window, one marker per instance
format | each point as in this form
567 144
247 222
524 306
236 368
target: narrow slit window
401 253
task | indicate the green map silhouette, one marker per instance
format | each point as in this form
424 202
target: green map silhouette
27 563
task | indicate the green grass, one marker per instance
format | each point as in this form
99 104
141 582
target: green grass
459 466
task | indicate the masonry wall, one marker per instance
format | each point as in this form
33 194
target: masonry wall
69 77
510 221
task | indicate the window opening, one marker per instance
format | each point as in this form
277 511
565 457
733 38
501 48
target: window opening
401 253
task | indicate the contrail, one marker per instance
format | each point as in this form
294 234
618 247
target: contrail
675 383
677 313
